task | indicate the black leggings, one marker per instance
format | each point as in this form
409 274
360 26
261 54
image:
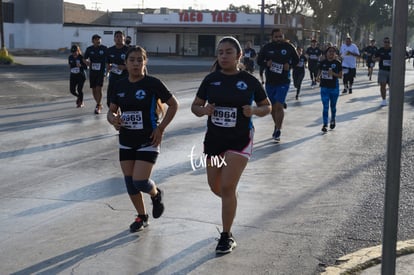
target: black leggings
76 85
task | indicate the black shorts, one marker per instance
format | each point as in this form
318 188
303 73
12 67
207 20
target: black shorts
349 72
133 154
96 78
216 146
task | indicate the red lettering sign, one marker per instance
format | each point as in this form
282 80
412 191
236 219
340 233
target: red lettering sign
216 16
194 16
224 16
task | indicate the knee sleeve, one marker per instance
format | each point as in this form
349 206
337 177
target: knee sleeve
144 185
131 189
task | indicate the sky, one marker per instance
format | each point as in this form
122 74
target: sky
112 5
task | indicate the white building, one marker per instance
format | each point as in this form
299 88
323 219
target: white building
56 25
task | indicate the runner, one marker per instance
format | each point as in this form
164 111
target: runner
330 70
299 71
128 41
95 56
383 56
136 110
313 53
77 74
116 62
277 56
349 53
249 57
369 52
226 96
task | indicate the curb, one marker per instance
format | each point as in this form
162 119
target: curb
365 258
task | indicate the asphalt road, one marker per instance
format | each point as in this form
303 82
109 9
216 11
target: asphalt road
302 203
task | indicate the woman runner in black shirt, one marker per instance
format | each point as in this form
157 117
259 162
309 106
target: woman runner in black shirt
135 110
77 74
226 96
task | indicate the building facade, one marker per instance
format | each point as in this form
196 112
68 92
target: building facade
56 25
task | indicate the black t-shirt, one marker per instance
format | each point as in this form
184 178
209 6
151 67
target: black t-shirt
116 56
97 57
385 58
229 93
74 69
138 104
326 80
249 53
300 67
280 53
370 52
314 54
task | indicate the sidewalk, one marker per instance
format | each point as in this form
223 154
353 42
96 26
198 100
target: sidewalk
367 261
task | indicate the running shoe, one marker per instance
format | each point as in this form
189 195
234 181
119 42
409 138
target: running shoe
157 205
79 103
226 243
350 90
98 109
332 124
344 91
284 105
324 128
276 135
141 221
384 102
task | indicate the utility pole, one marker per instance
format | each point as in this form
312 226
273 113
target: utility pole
96 5
395 120
262 15
1 25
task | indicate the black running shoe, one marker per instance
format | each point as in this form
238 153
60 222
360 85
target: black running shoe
324 128
276 135
284 105
332 124
157 205
140 222
226 243
350 90
344 91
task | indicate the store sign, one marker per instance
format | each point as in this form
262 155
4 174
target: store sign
215 16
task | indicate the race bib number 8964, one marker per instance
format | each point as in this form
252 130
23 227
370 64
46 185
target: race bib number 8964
224 116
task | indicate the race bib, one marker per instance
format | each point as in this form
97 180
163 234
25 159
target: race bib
313 57
75 70
115 69
96 66
132 120
247 55
386 63
345 70
325 75
224 117
301 64
276 68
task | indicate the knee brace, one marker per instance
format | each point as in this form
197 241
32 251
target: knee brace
144 185
130 186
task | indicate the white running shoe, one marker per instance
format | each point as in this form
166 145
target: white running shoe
384 102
